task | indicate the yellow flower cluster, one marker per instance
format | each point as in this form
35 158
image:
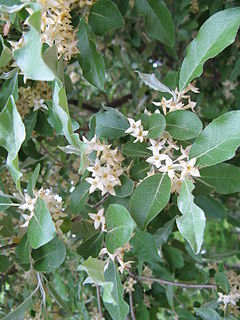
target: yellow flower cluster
33 97
57 28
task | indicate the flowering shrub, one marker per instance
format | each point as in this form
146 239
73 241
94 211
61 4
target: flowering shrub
119 176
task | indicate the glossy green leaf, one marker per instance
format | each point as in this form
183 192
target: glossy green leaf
158 20
192 222
91 247
12 135
5 53
223 177
41 228
119 225
90 60
213 37
118 311
50 256
144 247
183 125
5 202
137 149
32 180
218 141
29 57
4 263
126 187
105 16
111 124
156 125
79 197
149 198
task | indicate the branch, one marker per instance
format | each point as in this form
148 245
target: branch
8 246
59 163
131 305
177 284
99 301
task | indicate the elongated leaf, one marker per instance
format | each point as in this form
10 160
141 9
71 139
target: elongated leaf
211 207
12 135
183 125
126 187
137 149
41 229
50 256
111 124
120 226
23 250
58 299
59 115
152 81
89 58
33 179
149 198
29 56
5 202
4 263
224 178
139 170
192 222
158 20
213 37
19 312
79 197
91 247
118 311
207 313
156 125
105 16
5 55
10 87
218 141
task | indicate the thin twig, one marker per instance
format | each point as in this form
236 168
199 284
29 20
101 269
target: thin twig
99 301
131 305
97 205
52 156
8 246
177 284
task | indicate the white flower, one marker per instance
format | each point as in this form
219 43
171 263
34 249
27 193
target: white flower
95 183
134 126
93 145
169 167
189 169
99 219
39 105
157 159
156 145
140 136
176 184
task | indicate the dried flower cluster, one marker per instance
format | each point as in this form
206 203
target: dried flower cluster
106 169
33 97
52 201
57 28
176 103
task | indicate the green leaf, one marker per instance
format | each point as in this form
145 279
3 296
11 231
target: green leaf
105 16
59 115
50 256
118 311
212 207
58 299
207 313
5 55
79 197
213 37
122 5
91 247
192 223
158 20
33 179
41 229
9 87
218 141
149 198
224 178
174 256
19 312
94 268
139 170
183 125
137 149
4 263
29 57
12 135
152 81
162 234
120 226
90 60
156 125
5 202
145 247
23 250
111 124
126 187
222 281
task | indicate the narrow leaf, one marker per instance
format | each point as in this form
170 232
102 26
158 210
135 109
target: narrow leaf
151 80
33 179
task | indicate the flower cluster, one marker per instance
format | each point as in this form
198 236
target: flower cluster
56 26
136 130
33 97
233 297
86 5
52 201
176 103
118 255
106 169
